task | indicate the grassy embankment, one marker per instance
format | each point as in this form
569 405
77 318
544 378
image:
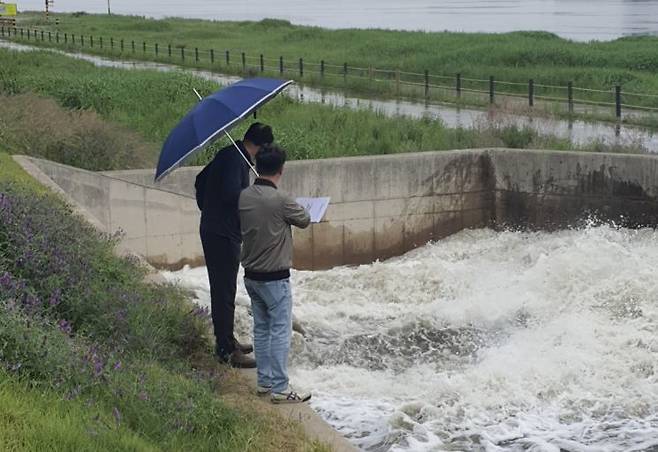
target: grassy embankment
512 57
112 118
92 358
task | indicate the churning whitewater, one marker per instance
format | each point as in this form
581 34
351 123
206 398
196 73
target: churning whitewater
484 341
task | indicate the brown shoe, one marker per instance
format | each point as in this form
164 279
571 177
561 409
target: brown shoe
244 348
239 360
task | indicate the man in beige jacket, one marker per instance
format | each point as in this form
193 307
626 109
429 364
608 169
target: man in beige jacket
266 217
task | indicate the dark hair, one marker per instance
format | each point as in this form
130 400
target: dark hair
259 134
270 160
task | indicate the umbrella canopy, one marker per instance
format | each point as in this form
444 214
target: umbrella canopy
214 115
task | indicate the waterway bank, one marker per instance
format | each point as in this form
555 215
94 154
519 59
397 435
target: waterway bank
580 133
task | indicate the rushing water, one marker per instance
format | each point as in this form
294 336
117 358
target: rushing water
578 132
484 341
575 19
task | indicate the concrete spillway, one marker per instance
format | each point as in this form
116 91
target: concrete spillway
382 206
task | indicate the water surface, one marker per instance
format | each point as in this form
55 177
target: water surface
485 341
574 19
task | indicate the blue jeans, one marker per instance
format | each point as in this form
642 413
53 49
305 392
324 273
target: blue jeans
271 305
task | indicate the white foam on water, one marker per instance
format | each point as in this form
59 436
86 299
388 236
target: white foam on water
484 341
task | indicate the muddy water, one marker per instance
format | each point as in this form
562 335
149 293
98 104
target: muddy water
578 132
574 19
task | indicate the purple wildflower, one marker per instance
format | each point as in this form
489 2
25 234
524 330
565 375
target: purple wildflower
55 298
5 203
122 314
117 415
65 326
117 365
6 281
98 367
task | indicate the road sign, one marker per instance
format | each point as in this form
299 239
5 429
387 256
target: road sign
7 9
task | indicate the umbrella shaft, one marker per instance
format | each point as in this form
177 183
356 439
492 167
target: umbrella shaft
243 156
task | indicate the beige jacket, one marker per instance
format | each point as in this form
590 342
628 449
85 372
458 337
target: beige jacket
266 215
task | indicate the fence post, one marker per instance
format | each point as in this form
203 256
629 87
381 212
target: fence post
82 40
570 96
212 56
345 71
262 63
491 89
72 38
427 83
144 47
156 50
301 67
169 50
281 65
531 92
121 45
91 41
196 54
100 42
66 38
618 101
50 37
244 62
112 44
322 68
397 82
132 43
182 53
228 58
458 85
21 33
42 36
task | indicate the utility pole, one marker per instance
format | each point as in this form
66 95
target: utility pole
109 13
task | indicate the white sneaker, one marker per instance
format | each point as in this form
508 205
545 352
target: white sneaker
290 396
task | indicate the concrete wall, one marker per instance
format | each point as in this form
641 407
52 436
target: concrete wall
380 206
384 206
552 190
159 225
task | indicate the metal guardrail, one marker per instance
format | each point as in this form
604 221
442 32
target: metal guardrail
401 83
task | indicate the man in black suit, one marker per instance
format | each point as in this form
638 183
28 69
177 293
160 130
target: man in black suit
218 188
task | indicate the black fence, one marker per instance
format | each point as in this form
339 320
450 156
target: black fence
402 84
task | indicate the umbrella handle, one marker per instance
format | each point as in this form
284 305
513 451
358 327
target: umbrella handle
241 154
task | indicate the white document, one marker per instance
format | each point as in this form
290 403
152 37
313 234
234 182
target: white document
316 207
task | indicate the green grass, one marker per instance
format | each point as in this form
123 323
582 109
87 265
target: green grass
150 103
39 420
514 57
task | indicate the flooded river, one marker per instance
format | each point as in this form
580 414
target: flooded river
485 341
575 19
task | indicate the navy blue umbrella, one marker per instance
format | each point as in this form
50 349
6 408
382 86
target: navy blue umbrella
213 116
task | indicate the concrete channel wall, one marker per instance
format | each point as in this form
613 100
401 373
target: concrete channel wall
160 225
383 206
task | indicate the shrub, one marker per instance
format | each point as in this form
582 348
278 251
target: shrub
37 126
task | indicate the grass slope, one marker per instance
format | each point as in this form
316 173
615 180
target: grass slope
92 358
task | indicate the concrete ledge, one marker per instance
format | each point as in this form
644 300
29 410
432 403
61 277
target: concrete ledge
383 206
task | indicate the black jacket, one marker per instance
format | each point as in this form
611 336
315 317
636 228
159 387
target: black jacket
218 187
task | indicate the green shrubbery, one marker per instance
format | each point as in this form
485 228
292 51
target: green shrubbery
77 323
